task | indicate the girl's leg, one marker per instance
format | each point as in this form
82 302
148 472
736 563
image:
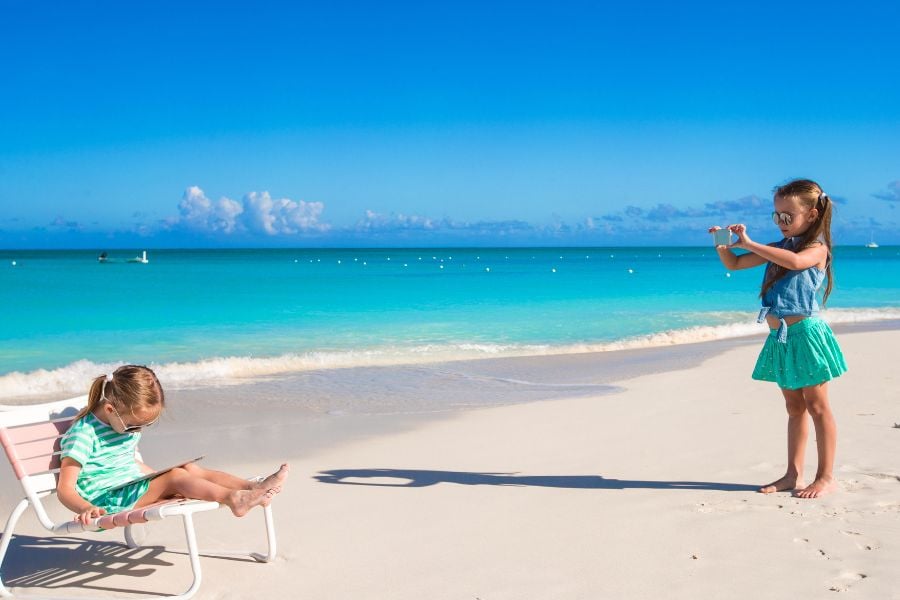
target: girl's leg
218 477
273 481
179 482
826 440
797 432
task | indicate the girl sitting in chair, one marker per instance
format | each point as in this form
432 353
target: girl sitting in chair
99 453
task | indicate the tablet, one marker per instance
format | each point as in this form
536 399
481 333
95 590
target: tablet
155 474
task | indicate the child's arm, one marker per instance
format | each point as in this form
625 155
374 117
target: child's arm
70 498
735 262
794 261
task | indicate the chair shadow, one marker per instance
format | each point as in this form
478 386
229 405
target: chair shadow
423 478
60 562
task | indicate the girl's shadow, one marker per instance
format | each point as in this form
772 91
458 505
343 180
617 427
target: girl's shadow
422 478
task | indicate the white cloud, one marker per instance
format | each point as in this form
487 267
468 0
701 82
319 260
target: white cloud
376 221
256 213
200 213
283 216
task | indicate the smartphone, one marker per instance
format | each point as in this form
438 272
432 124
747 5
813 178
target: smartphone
722 237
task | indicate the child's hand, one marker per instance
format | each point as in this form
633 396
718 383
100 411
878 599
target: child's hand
740 230
93 512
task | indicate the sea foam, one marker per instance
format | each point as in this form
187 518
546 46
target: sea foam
19 387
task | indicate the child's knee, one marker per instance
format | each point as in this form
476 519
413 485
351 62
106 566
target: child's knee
794 403
817 402
796 409
179 473
818 408
191 468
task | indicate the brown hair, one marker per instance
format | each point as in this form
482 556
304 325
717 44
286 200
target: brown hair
810 195
129 387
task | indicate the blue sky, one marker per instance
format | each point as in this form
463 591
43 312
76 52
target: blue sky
183 124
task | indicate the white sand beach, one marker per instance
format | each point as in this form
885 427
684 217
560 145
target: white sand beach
647 492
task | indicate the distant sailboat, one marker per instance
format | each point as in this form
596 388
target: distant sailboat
872 243
140 259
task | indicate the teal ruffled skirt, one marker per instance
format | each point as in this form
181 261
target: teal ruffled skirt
811 356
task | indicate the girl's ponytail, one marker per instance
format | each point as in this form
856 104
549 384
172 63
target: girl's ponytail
95 394
129 387
823 228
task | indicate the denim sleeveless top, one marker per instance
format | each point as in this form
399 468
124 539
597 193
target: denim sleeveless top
792 295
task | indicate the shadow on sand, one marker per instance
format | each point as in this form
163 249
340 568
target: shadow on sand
422 478
51 563
62 562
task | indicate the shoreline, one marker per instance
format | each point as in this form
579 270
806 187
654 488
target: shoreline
651 347
315 412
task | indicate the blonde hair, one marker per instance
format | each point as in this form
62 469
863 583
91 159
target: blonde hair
130 387
810 195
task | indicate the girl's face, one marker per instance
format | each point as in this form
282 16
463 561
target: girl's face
801 218
123 421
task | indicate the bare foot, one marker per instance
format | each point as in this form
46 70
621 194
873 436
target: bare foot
274 481
788 482
241 501
818 488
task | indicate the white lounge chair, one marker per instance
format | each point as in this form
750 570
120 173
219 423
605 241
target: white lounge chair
30 436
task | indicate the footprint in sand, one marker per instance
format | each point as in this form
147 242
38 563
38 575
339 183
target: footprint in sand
731 506
887 507
862 542
836 511
854 485
796 512
885 476
846 581
818 552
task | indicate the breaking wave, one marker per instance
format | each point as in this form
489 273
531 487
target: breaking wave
41 384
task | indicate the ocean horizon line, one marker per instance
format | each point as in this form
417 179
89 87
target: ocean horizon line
386 247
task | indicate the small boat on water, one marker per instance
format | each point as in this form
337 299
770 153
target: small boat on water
872 243
140 259
104 257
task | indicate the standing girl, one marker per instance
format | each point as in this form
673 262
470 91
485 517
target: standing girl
99 452
801 354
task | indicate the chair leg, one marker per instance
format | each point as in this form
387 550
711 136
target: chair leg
135 535
194 556
7 538
269 556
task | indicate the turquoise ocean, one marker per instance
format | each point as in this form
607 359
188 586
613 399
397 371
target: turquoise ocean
202 317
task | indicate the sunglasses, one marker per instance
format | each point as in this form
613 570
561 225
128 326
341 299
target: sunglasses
126 428
131 428
782 218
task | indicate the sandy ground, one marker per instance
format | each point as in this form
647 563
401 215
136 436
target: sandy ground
647 492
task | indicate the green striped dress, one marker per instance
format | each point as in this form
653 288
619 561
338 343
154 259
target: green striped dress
107 459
